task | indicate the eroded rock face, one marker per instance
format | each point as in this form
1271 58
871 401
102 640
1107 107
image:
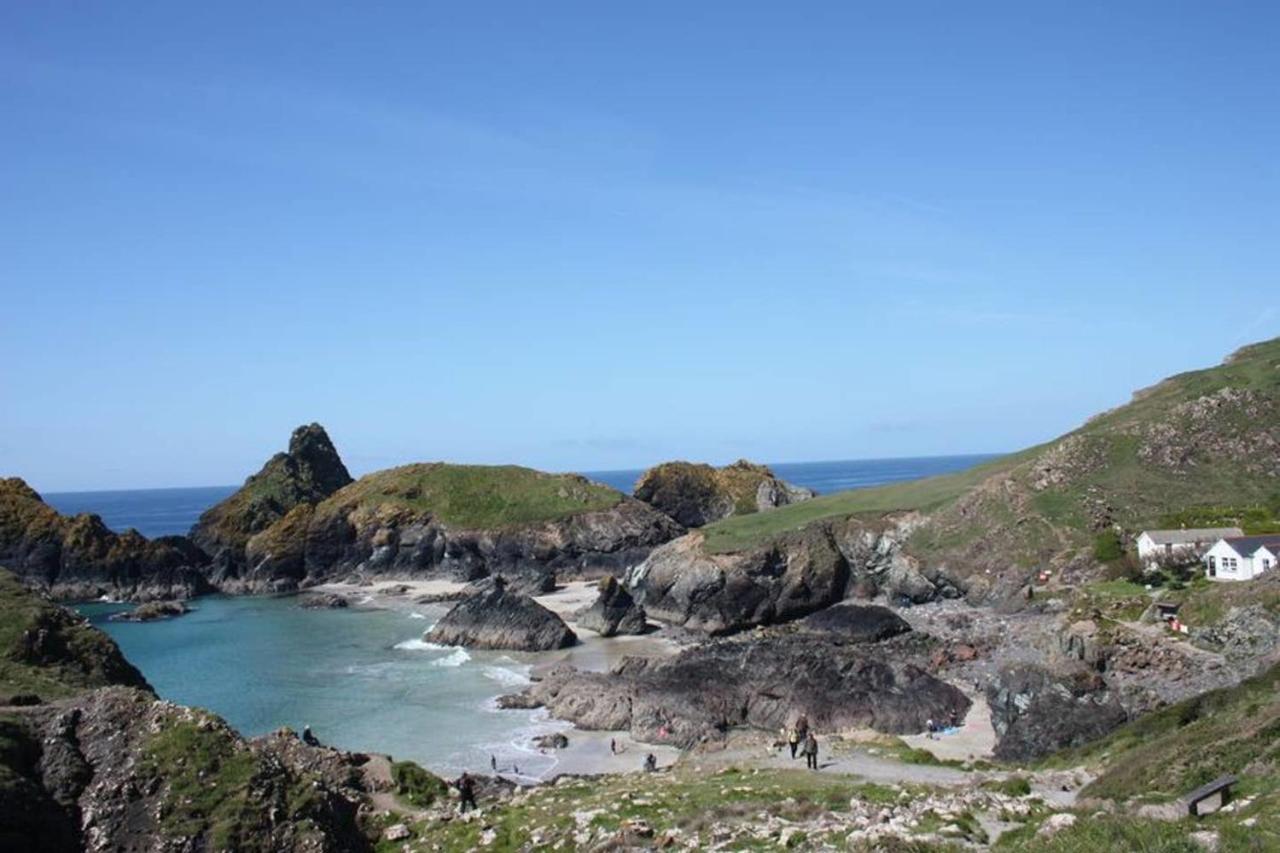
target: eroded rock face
1036 712
307 473
502 620
613 612
78 557
112 770
695 494
702 692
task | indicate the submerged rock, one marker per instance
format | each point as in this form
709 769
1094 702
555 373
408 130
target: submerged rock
613 612
502 620
153 610
326 601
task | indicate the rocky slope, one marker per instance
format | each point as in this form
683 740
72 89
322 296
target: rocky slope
307 473
458 521
695 494
501 619
700 693
78 557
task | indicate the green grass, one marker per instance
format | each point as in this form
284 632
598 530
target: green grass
416 786
1013 786
207 777
741 532
474 496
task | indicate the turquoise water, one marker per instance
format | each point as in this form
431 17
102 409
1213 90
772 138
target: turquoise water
362 679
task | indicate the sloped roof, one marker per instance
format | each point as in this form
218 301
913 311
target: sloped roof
1247 546
1189 536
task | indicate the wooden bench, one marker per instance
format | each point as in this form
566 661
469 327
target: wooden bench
1207 799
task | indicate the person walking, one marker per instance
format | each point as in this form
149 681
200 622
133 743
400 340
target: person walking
811 752
650 763
793 740
467 790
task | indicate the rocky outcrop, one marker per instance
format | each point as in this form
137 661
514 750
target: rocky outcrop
855 623
613 612
116 769
49 651
1036 712
152 611
306 474
502 620
720 593
78 557
705 690
461 523
696 494
788 577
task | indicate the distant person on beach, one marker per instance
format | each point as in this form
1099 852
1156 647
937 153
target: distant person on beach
308 738
613 746
493 761
802 727
467 791
650 763
811 752
793 739
933 729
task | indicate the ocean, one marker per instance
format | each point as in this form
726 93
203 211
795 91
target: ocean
363 679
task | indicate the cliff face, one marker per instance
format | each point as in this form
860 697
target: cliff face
462 522
79 557
695 494
306 474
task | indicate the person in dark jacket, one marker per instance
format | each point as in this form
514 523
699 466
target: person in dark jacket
467 790
811 752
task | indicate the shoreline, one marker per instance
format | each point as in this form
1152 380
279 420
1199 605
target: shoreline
588 753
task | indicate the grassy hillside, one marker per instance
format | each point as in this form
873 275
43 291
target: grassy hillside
1204 438
741 532
475 496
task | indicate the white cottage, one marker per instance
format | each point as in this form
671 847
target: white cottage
1156 545
1241 558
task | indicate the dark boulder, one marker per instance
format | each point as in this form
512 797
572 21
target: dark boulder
857 623
763 683
502 620
1036 712
556 740
613 612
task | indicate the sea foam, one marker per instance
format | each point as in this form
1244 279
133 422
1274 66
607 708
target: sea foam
457 658
417 644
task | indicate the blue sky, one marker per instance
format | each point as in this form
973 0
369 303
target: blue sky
585 235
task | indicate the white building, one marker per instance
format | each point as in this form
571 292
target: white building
1156 545
1241 558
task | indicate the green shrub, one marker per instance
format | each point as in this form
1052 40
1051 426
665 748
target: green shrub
416 785
1107 547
